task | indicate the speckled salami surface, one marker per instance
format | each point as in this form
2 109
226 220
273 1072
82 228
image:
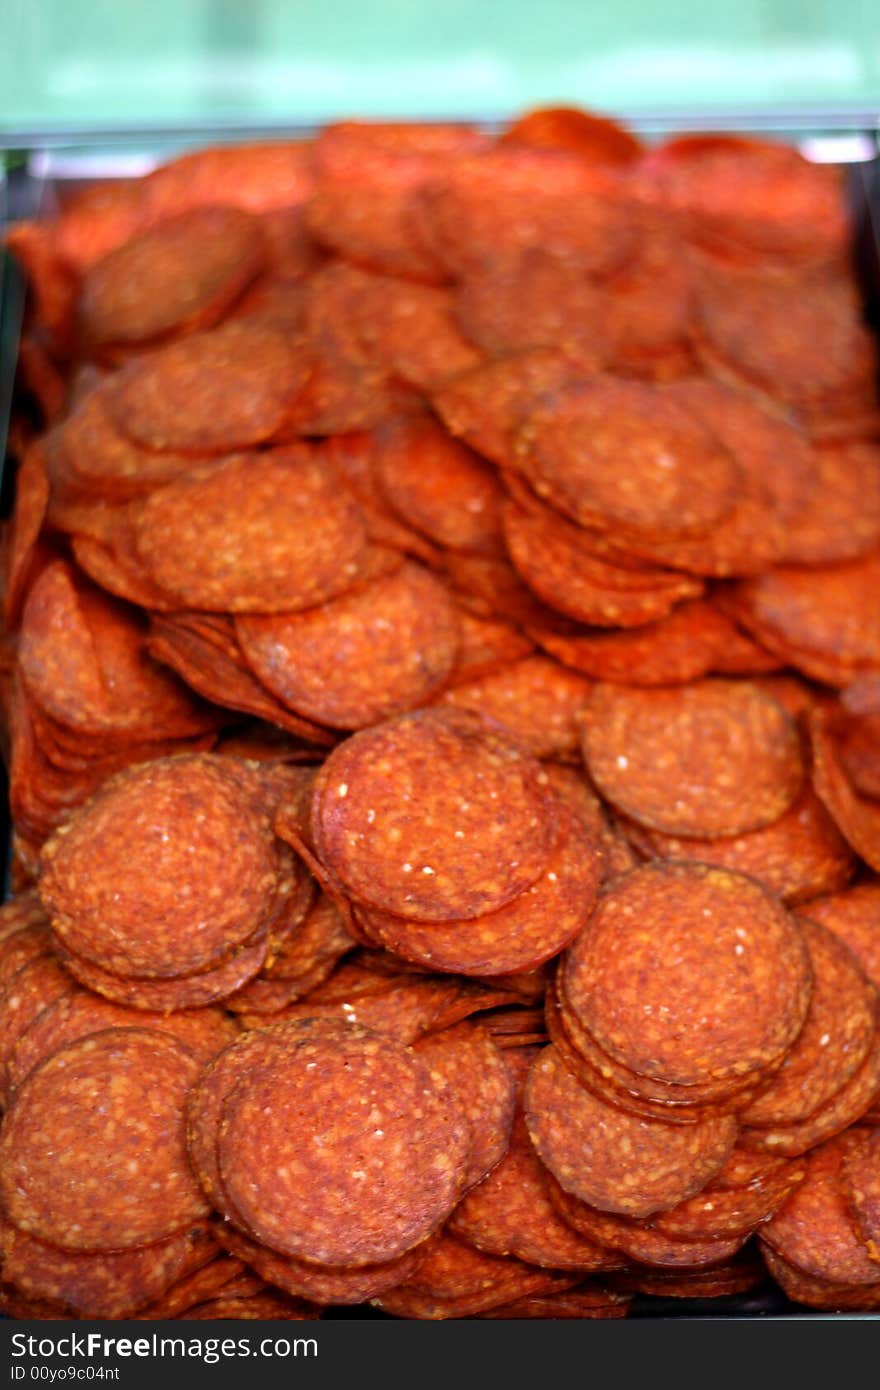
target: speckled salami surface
440 631
78 1013
232 538
321 1283
232 388
465 1062
836 1038
521 936
671 476
847 1107
434 816
536 700
103 1116
362 657
102 1285
629 977
860 1178
730 751
612 1160
181 274
439 486
639 1240
455 1281
799 856
815 1230
194 825
376 1160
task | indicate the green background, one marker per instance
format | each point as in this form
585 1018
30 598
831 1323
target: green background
92 64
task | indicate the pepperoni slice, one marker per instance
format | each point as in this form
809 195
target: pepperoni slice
814 1230
836 1038
621 454
629 977
194 822
612 1160
101 1285
101 459
439 487
801 854
264 533
77 1014
728 749
376 1156
365 656
522 935
433 815
556 561
104 1116
536 700
465 1061
178 276
854 916
231 388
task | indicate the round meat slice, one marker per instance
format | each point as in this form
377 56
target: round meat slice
83 659
465 1062
854 916
690 973
165 871
433 815
714 758
180 275
823 621
850 1104
439 486
232 388
204 1031
621 455
833 1043
861 1184
511 1214
801 854
170 995
365 656
101 459
557 562
92 1153
341 1149
536 700
612 1160
815 1231
267 533
337 1284
102 1285
522 935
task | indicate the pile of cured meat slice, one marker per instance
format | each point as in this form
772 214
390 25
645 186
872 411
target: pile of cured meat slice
441 690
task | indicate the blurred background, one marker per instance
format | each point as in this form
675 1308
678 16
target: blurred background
104 65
